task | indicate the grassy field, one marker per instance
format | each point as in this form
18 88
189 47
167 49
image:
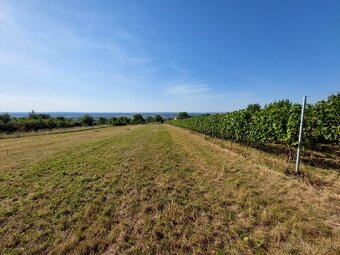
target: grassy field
158 189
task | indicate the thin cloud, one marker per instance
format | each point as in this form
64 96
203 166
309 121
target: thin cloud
52 36
41 103
123 34
187 89
120 53
178 69
6 16
61 38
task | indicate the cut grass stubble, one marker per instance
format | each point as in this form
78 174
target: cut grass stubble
154 189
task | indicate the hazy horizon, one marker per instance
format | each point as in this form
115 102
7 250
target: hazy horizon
97 115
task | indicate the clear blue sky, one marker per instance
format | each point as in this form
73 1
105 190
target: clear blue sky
165 55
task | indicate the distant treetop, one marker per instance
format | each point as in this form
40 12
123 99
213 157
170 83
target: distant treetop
183 115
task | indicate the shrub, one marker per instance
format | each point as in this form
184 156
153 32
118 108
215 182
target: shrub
138 119
102 121
183 115
5 118
150 119
87 120
158 118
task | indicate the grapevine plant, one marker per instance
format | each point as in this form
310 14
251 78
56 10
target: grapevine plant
277 122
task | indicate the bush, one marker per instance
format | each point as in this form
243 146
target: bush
122 121
112 121
36 121
138 119
8 128
87 120
150 119
183 115
158 118
34 115
102 121
5 118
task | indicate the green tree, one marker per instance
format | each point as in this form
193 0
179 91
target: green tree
33 115
123 121
138 119
60 118
87 120
183 115
253 108
44 116
36 116
158 118
112 121
5 118
150 119
102 121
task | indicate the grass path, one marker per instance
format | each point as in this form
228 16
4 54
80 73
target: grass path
154 189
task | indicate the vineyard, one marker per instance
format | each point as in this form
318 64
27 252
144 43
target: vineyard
276 122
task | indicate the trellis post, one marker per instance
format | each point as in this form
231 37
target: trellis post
300 136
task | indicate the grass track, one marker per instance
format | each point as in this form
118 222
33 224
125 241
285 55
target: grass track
154 189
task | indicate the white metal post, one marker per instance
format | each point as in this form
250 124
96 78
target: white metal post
300 136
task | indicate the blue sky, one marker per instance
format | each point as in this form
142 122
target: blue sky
165 55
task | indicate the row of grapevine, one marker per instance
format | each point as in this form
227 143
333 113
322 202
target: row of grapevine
277 122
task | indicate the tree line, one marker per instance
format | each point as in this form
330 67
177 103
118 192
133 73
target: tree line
38 121
276 122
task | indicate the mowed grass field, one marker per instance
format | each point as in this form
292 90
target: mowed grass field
157 189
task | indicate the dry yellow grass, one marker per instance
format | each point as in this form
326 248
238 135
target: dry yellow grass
157 189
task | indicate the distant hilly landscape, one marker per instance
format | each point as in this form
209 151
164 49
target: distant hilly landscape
97 115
